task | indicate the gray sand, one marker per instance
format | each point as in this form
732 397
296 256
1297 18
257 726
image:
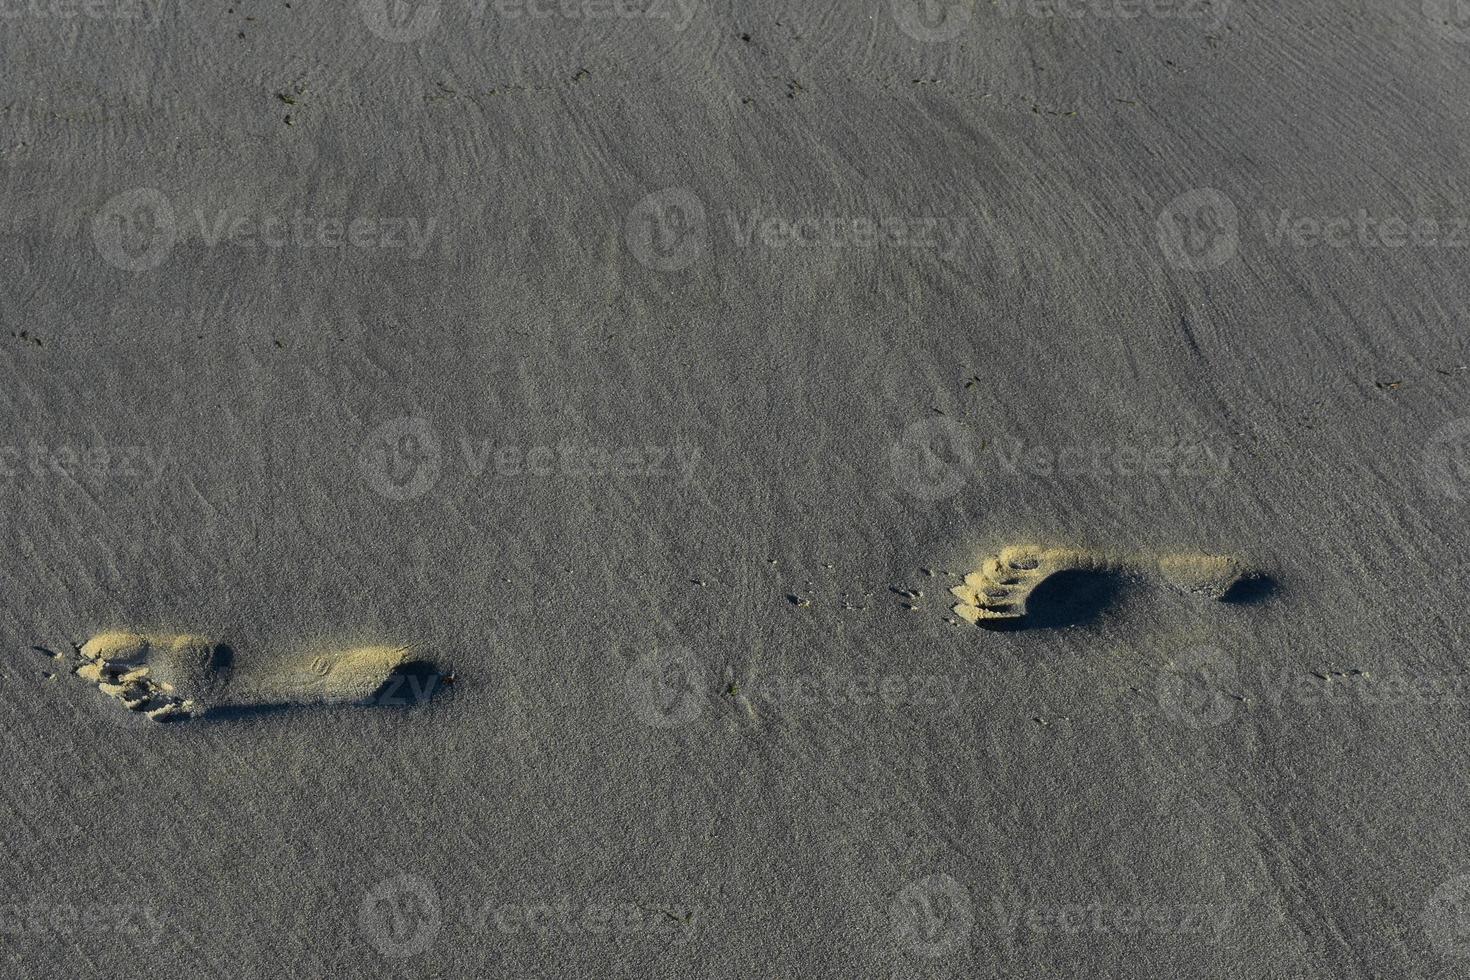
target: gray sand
487 334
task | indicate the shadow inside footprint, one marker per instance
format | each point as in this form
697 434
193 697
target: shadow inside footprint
1251 590
1075 597
221 657
413 682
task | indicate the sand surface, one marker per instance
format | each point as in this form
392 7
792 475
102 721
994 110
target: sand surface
659 374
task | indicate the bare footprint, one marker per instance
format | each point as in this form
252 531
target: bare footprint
998 592
176 676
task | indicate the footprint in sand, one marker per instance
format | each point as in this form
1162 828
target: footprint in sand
996 595
171 677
